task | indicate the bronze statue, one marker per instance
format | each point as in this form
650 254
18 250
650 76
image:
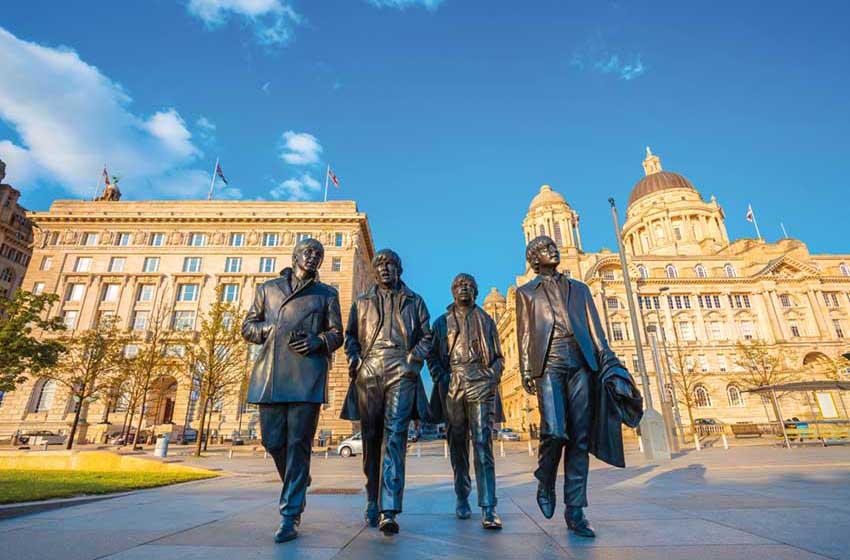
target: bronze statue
387 339
583 391
297 320
466 365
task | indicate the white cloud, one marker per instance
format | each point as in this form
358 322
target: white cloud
206 129
297 188
300 148
625 70
430 5
70 119
272 20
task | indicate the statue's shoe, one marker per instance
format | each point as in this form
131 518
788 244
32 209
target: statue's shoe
286 531
489 519
371 514
578 523
546 499
462 509
388 525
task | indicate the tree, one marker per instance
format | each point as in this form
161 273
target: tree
91 359
762 366
218 356
25 349
686 378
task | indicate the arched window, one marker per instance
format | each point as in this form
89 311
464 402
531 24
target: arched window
700 270
659 232
671 271
542 229
559 240
644 273
701 397
845 270
735 397
730 271
45 396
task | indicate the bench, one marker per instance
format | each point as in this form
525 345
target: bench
745 429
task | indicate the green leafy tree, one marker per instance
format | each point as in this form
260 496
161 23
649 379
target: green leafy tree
24 348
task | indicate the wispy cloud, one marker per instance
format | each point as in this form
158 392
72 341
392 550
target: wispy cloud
303 187
300 148
70 118
595 55
205 129
430 5
273 21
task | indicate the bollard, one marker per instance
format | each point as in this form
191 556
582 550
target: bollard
530 452
696 442
640 444
230 454
445 449
725 441
326 452
418 449
501 448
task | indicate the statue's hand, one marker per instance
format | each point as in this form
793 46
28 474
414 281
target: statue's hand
307 345
528 385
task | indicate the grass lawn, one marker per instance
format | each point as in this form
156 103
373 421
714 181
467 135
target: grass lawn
30 485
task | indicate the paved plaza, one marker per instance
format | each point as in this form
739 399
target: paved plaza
747 503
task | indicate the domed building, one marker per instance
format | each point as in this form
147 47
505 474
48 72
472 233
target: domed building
702 293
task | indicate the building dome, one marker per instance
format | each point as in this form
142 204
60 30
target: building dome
494 296
658 181
546 197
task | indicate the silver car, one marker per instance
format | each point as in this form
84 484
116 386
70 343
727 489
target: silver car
351 446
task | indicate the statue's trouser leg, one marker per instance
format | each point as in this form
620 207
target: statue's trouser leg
370 398
552 403
399 395
481 412
288 432
457 434
576 459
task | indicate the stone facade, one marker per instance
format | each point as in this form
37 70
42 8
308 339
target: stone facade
112 257
15 238
706 292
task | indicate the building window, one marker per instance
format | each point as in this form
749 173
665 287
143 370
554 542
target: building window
721 362
748 330
7 275
336 264
140 320
617 331
612 303
122 239
89 239
131 351
269 240
70 319
559 239
830 299
845 270
157 239
197 239
785 300
83 264
679 302
337 240
702 399
709 301
729 270
192 264
736 399
46 394
301 236
642 271
267 264
739 301
609 275
75 292
233 264
795 330
184 321
38 288
237 239
46 263
700 271
703 362
687 330
145 292
187 292
671 271
717 330
230 293
111 292
116 264
677 232
151 264
659 232
175 351
839 332
542 229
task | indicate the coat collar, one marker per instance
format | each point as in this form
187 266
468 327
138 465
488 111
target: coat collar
286 275
537 281
406 293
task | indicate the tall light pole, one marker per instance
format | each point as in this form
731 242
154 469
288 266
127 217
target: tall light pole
652 431
676 412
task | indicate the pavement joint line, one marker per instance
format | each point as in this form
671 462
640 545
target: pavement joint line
544 531
155 539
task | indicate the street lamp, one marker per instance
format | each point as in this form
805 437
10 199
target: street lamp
652 431
676 412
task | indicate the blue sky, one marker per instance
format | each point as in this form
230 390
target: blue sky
457 110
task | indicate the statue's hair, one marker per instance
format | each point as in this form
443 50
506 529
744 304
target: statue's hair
387 255
532 250
465 276
303 244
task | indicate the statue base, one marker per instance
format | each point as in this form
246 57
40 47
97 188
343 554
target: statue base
654 436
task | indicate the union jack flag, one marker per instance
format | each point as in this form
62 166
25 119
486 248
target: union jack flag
333 178
220 173
106 176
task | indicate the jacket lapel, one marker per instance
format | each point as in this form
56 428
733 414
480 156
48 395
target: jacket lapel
452 329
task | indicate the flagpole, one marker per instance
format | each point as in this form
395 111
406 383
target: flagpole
755 223
97 185
327 174
212 183
784 232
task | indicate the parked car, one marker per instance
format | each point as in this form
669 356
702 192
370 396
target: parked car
707 422
507 434
127 439
351 446
40 437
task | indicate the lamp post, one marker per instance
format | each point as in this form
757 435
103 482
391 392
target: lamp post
652 431
677 415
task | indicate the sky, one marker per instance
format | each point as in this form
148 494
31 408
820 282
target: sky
441 118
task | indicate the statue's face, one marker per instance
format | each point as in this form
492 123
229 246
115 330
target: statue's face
387 273
309 259
463 291
548 256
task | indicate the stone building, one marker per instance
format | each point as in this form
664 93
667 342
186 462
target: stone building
703 293
15 238
109 257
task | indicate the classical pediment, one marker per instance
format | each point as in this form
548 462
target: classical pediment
788 267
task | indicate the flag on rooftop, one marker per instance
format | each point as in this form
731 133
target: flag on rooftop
220 173
333 177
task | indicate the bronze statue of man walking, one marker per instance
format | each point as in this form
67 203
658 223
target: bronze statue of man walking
583 391
297 320
466 365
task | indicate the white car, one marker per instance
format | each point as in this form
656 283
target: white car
351 446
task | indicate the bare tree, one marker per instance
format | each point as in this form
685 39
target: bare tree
86 369
218 355
762 366
686 378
